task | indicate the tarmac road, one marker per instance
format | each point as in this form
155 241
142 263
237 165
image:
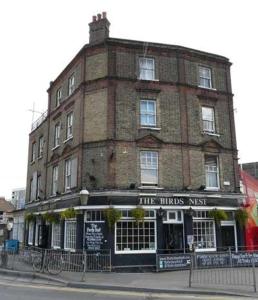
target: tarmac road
18 290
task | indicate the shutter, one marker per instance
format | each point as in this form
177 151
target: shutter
74 173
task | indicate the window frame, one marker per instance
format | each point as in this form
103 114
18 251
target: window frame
146 168
30 233
58 96
33 151
54 240
208 78
38 187
202 217
41 146
55 175
143 70
213 121
215 188
70 221
69 126
126 218
148 114
68 174
57 134
71 84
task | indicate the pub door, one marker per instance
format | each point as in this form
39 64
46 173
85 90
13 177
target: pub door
228 237
43 236
173 237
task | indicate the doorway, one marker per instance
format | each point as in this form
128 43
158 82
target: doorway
228 237
173 237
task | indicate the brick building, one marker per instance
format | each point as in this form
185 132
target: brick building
132 123
251 169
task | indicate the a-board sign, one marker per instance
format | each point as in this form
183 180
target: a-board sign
94 236
167 262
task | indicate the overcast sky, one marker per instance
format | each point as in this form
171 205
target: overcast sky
39 38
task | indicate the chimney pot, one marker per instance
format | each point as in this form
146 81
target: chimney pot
99 17
94 18
104 15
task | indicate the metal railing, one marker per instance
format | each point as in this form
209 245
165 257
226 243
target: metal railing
55 261
39 121
224 269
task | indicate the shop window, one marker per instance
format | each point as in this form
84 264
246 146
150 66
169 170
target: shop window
70 235
56 236
204 232
133 237
136 238
31 233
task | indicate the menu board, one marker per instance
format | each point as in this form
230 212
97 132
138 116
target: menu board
173 262
94 237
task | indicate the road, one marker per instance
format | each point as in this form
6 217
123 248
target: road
12 290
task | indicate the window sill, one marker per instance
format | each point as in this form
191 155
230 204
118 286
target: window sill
40 157
150 187
211 133
212 189
135 252
55 147
207 88
145 79
150 128
68 139
32 162
205 249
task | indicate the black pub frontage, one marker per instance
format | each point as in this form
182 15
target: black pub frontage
173 223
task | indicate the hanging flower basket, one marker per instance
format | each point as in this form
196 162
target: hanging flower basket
218 215
69 213
241 216
112 215
29 217
138 214
52 217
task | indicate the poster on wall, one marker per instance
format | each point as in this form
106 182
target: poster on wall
94 236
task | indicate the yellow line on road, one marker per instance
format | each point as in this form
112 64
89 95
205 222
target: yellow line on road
110 292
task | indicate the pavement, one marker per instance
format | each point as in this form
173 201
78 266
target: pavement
165 282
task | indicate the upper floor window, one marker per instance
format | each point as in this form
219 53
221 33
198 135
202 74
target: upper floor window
149 167
38 192
70 173
205 77
211 172
58 96
148 113
146 68
208 120
33 152
55 180
57 135
41 144
69 124
71 84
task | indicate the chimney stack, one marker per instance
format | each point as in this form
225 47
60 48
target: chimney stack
99 28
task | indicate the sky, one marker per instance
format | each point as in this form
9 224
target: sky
39 38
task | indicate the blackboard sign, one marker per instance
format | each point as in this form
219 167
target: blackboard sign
94 237
212 260
167 262
225 260
244 259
